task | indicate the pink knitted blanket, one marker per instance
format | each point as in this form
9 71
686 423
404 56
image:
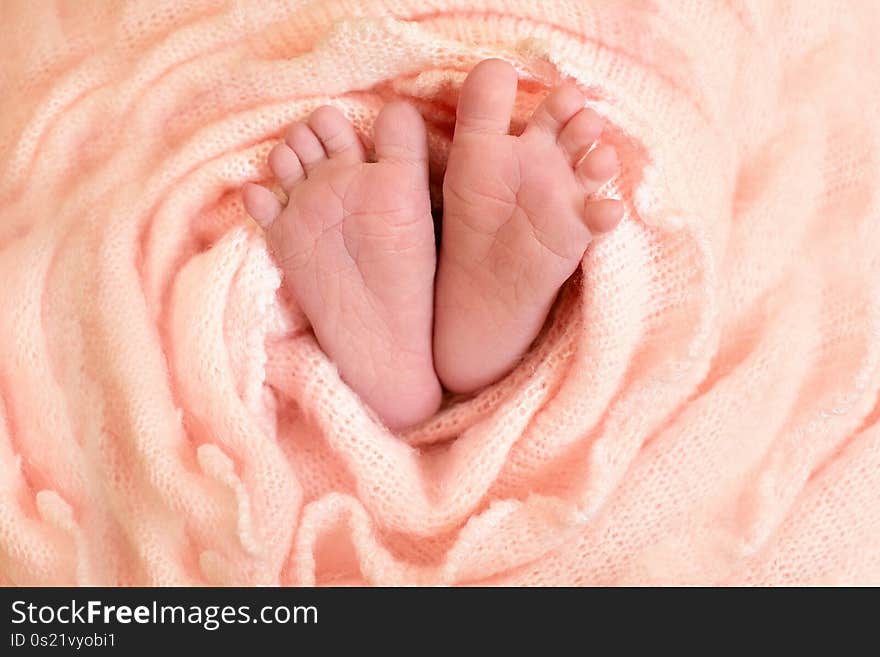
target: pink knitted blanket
701 408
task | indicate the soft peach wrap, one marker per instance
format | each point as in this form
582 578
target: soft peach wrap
702 408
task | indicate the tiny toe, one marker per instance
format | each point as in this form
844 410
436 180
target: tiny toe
596 168
557 109
286 166
486 99
579 134
336 133
306 145
602 215
400 134
261 204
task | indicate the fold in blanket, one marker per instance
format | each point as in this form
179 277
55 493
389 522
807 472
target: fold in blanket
702 406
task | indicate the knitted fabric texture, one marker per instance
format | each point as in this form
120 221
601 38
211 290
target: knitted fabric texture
701 408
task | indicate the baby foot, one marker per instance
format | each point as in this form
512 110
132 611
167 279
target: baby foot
356 245
517 218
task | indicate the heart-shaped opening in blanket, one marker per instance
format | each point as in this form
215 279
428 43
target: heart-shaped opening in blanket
435 92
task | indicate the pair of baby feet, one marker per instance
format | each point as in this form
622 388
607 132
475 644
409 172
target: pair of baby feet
355 240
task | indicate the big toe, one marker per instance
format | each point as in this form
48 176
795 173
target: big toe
486 99
400 135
